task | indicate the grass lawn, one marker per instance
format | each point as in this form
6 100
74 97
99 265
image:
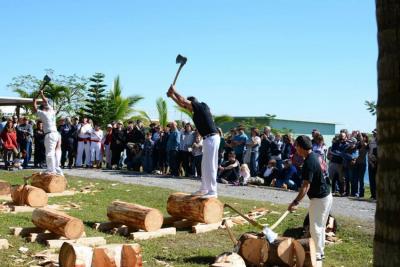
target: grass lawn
184 249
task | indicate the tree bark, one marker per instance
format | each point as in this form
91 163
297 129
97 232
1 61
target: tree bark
58 222
387 219
135 216
253 249
51 183
28 195
5 187
195 208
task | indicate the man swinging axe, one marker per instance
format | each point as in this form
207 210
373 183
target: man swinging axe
52 139
316 186
204 123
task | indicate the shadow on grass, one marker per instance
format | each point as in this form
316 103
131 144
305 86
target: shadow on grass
295 233
206 260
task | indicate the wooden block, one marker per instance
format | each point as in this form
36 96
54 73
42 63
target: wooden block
6 197
18 209
106 226
4 244
62 194
184 224
204 228
149 235
42 237
86 241
26 231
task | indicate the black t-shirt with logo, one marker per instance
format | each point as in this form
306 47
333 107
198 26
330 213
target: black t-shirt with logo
312 172
203 119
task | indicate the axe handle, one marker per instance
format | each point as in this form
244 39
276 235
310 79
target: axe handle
177 73
251 221
231 235
279 220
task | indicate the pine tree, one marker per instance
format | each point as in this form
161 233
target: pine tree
96 101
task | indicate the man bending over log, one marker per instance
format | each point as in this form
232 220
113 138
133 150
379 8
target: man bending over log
205 125
316 187
52 139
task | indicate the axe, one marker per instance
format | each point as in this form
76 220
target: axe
182 61
46 81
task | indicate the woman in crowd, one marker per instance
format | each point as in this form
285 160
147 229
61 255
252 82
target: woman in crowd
9 140
252 149
148 148
39 157
197 152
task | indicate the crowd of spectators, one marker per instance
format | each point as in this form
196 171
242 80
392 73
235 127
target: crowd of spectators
259 157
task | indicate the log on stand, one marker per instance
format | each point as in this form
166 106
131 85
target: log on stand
75 255
305 252
51 183
135 216
108 255
5 187
195 208
253 249
58 222
281 252
28 195
131 255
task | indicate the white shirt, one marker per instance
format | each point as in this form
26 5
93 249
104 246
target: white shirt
85 130
96 135
48 118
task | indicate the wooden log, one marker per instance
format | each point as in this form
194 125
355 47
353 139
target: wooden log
75 255
305 252
253 249
195 208
4 244
280 252
5 187
58 222
107 256
28 195
86 241
155 234
229 259
131 255
135 216
51 183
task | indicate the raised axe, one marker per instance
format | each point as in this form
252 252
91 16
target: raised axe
46 81
268 231
181 60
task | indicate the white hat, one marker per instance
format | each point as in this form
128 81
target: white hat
109 126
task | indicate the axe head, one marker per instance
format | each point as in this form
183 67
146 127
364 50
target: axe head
46 79
181 60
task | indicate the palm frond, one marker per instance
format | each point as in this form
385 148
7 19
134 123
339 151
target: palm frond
144 115
162 111
184 111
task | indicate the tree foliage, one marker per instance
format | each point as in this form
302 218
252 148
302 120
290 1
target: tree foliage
221 119
96 101
66 91
162 112
371 107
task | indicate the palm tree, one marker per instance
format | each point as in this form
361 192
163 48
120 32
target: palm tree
185 111
162 112
120 107
387 219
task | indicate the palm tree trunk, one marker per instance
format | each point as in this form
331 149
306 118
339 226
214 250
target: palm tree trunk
387 217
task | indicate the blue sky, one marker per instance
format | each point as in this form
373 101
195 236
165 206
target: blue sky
304 60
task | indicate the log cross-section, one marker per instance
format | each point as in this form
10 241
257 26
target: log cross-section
28 195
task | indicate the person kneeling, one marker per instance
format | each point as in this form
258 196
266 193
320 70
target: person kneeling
287 176
228 172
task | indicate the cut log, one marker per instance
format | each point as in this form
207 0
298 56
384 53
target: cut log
5 187
131 255
107 256
28 195
229 259
58 222
280 252
51 183
135 216
75 255
305 252
253 249
155 234
4 244
86 241
195 208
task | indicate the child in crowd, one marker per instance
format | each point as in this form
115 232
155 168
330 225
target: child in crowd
244 174
148 153
271 172
197 152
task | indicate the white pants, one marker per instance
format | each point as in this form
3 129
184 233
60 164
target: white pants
107 151
319 211
82 147
53 152
209 164
95 151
